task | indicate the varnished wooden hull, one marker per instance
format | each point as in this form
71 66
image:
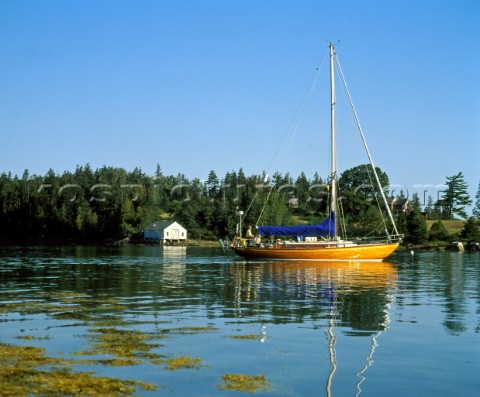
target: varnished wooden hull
364 252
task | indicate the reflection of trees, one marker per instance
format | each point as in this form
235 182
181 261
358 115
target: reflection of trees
357 294
450 279
365 311
454 290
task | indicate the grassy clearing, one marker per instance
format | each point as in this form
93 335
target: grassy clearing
453 226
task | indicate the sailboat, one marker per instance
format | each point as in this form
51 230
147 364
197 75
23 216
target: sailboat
322 241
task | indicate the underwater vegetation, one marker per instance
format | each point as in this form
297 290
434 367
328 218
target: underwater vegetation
113 341
244 383
26 370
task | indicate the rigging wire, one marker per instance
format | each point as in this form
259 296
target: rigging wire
365 145
376 200
331 343
299 111
369 359
293 127
341 218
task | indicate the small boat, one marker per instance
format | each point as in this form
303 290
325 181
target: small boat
322 241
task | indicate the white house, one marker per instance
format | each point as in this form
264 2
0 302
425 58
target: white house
165 232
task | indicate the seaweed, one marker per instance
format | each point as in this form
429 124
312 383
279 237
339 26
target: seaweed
244 383
27 371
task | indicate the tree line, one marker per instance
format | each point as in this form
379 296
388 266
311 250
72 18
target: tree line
451 203
112 203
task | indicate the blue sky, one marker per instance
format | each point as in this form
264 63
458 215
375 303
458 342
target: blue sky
214 85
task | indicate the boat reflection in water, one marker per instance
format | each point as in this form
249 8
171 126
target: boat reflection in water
347 298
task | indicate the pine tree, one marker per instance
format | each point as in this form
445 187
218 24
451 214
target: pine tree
401 222
212 184
429 207
456 196
438 232
471 230
158 171
476 209
416 232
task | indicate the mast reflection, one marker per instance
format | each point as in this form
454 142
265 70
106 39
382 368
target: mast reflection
353 296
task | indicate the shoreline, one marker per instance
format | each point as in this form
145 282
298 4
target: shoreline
432 246
100 243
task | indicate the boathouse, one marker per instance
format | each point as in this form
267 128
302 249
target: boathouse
165 232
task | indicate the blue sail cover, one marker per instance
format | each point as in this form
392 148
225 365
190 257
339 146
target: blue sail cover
325 228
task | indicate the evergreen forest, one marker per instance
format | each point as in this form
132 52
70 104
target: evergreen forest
111 203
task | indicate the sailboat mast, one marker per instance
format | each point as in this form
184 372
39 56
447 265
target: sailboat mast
333 138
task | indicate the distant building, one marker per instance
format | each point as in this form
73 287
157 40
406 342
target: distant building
398 205
165 232
293 202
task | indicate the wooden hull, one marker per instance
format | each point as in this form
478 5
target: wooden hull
364 252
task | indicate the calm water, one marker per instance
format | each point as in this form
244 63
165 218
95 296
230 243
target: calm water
407 327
